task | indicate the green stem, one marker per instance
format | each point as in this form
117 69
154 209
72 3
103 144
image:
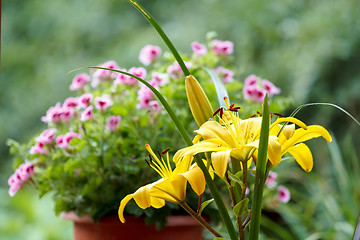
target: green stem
199 219
209 181
260 173
235 166
162 35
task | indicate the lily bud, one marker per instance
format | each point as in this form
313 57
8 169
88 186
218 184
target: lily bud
199 103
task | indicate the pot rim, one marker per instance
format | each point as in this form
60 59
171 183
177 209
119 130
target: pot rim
177 220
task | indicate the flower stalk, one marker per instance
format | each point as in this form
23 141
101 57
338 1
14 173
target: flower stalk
260 173
165 38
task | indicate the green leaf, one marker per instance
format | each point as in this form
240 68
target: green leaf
204 204
220 238
219 87
240 207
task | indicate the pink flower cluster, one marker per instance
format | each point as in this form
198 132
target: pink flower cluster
222 48
218 47
255 88
60 113
113 122
147 98
47 137
199 49
127 80
21 175
149 54
224 74
174 70
100 75
79 81
63 141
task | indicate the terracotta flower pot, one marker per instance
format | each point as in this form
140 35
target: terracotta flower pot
110 228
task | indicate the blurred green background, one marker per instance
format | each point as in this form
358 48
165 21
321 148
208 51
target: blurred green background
310 49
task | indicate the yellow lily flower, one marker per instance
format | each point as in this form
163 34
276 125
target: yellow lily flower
237 138
171 187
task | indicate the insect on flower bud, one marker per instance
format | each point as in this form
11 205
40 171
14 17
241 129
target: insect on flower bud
199 103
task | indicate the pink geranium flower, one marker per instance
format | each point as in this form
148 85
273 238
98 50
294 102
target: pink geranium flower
53 114
222 47
85 100
283 194
63 141
71 102
270 87
122 78
198 49
255 88
47 136
79 81
139 72
25 171
156 105
161 79
225 74
251 80
149 54
14 189
174 70
113 122
67 113
103 75
255 93
38 148
271 180
103 102
145 95
87 114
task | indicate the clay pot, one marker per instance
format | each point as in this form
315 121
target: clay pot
110 228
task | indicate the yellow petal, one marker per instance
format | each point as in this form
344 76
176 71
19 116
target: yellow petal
184 165
142 196
301 135
204 146
220 161
122 207
157 202
289 119
287 132
249 128
199 103
274 150
212 129
302 155
244 152
196 179
172 189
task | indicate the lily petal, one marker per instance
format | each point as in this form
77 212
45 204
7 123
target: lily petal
204 146
220 161
302 155
212 129
301 135
196 179
122 207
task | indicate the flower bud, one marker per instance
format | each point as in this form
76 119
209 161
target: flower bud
199 103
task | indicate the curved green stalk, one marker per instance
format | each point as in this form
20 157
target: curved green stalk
324 104
214 191
260 173
162 35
